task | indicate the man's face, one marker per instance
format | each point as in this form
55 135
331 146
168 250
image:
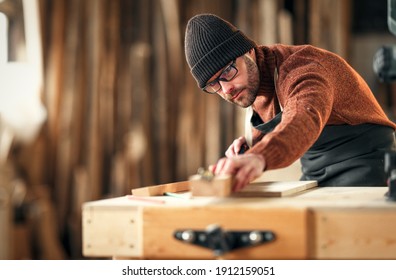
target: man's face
242 89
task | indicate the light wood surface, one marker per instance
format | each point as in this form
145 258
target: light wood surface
317 223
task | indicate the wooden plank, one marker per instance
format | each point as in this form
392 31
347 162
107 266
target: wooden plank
94 151
190 140
329 25
107 83
268 11
5 218
285 29
123 164
299 22
161 189
161 95
142 129
54 78
275 189
46 226
174 70
64 150
359 233
21 242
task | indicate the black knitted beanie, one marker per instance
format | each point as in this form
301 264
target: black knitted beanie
210 44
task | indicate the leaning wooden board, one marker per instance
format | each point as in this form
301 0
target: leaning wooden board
320 223
5 222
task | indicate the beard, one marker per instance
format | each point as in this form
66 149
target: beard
252 87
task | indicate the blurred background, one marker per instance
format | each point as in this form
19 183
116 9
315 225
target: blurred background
96 99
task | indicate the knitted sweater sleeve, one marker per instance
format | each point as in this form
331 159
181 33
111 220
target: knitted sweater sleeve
307 97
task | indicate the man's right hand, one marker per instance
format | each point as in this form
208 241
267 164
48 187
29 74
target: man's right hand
238 146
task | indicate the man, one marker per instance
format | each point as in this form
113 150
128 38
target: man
307 103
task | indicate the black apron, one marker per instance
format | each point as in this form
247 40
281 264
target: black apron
343 155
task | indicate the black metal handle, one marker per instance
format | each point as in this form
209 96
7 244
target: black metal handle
220 241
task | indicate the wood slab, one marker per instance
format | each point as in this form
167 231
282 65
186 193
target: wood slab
275 189
156 190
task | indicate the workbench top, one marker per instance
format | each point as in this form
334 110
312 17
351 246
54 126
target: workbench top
319 223
315 197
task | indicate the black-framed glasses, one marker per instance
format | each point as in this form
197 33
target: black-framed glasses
225 76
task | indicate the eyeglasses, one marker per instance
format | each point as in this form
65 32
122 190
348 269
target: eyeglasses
225 76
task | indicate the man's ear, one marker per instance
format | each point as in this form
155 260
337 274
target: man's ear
252 54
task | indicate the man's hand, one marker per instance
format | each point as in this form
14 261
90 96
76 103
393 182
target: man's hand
235 148
244 168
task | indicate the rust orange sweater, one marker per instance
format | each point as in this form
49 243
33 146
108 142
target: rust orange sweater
315 88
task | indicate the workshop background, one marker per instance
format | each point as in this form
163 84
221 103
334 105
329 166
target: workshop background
96 99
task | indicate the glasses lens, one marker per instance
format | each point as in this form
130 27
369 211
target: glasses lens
228 74
212 87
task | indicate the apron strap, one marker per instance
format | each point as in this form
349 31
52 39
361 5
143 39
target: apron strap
253 120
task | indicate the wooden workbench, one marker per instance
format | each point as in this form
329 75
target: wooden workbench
320 223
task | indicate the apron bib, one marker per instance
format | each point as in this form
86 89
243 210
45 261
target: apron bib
349 155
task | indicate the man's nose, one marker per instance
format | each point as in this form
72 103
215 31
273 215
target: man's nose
226 87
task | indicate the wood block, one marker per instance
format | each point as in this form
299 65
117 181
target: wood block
219 186
182 186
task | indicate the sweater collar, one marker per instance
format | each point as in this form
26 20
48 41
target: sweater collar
266 62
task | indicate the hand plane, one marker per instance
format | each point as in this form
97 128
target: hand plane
205 183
